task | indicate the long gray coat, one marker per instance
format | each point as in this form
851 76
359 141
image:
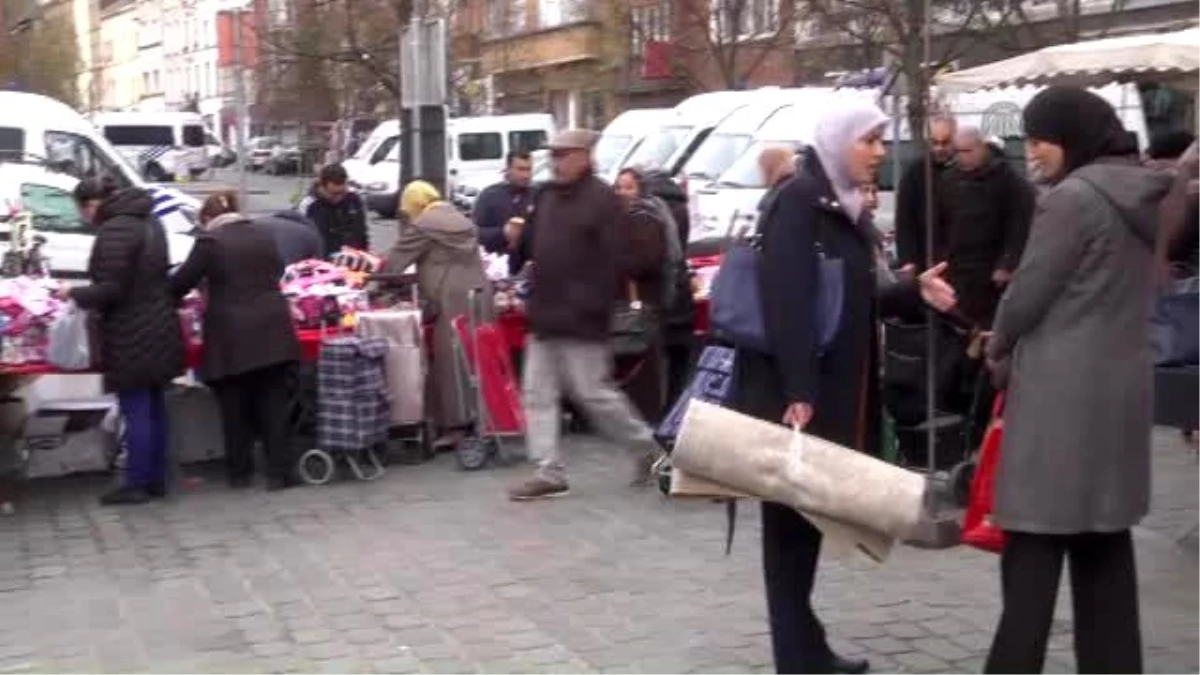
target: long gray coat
1076 453
444 244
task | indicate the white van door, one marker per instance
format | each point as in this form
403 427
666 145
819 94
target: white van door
68 239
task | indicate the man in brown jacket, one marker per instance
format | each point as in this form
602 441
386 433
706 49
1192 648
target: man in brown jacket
576 241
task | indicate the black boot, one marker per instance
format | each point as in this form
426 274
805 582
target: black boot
157 490
125 495
842 664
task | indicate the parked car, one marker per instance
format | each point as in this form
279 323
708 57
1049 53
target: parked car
283 160
259 150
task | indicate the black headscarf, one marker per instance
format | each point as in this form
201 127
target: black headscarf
1083 124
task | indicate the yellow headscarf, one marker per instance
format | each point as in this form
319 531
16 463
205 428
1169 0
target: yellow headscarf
417 197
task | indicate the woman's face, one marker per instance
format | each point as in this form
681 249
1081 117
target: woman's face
866 156
871 197
87 211
627 188
1047 159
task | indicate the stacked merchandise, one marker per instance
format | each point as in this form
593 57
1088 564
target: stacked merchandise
27 310
323 294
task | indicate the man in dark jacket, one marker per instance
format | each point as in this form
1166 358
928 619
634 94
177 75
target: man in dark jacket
296 237
910 197
500 203
985 208
575 239
338 212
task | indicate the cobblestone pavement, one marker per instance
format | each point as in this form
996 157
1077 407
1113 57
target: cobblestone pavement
432 570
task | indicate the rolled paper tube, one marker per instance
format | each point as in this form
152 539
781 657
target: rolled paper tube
812 475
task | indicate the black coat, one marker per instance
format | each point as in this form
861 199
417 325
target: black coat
985 216
296 237
342 223
141 345
577 238
842 384
247 322
910 221
679 319
492 210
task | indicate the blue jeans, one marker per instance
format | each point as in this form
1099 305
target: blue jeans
145 413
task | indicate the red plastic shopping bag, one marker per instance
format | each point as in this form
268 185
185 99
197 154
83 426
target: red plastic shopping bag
978 529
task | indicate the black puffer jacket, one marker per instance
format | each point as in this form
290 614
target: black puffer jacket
678 319
141 345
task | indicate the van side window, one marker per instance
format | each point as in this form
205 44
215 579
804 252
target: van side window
528 141
474 147
193 136
77 156
384 149
12 143
53 209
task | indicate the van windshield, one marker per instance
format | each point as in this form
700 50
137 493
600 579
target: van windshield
659 147
610 150
139 135
717 154
744 173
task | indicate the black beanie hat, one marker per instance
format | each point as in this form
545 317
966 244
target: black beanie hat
1082 123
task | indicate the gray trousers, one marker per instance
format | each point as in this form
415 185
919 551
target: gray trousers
583 372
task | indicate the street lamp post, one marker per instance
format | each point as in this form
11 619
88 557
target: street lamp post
239 96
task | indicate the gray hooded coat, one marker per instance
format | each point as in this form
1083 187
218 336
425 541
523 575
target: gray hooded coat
444 245
1074 322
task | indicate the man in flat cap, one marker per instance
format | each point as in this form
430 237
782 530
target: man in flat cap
575 240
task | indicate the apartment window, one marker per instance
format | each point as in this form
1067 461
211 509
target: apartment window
505 17
650 23
146 84
736 20
553 13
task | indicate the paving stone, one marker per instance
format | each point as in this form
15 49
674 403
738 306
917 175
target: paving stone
429 569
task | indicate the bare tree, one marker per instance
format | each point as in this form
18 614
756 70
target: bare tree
898 30
1027 27
38 50
717 44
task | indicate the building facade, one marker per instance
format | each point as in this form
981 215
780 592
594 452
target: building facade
119 66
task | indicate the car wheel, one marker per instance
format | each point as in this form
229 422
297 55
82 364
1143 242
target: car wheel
388 212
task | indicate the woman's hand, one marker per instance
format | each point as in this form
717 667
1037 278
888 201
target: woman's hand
934 289
63 292
798 415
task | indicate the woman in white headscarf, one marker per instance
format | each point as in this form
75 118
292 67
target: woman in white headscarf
832 392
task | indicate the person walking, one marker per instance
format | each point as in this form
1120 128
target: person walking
296 237
336 210
576 241
830 393
249 341
502 202
1074 472
646 277
141 345
911 196
984 208
678 316
444 245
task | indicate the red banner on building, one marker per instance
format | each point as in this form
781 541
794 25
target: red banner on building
227 39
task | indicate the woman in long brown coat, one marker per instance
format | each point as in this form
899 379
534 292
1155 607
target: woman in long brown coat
444 245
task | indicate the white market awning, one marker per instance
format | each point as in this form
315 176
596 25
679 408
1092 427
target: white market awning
1169 58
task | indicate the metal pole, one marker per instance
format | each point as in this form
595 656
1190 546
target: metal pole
930 316
419 98
239 96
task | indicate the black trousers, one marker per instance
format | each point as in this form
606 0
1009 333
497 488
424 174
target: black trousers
254 405
678 360
791 547
1103 590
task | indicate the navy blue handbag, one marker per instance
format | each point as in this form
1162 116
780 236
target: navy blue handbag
735 301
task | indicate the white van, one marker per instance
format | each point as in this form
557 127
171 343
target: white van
674 142
375 148
730 203
164 146
39 128
477 148
49 196
622 137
